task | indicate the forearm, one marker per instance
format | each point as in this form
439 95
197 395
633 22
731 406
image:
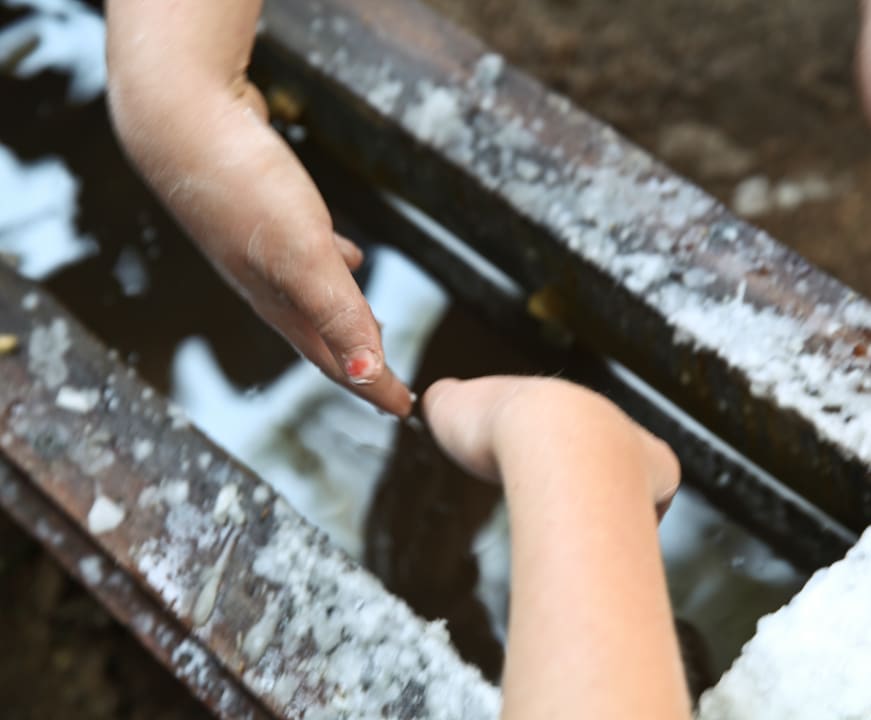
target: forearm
157 47
199 133
179 100
591 629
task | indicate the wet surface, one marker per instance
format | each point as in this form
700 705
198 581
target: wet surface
432 534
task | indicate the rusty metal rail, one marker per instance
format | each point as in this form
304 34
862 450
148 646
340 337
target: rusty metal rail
149 622
745 335
799 530
236 578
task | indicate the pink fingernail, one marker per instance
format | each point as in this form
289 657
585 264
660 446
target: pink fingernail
362 366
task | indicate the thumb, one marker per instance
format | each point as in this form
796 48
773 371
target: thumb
331 322
664 470
460 416
329 298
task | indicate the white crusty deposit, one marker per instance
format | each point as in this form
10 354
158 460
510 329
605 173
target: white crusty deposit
78 400
809 660
328 638
616 209
46 353
353 644
624 219
105 515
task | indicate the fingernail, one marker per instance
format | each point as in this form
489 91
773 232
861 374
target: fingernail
413 396
362 366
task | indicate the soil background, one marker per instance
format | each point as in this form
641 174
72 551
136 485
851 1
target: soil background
723 90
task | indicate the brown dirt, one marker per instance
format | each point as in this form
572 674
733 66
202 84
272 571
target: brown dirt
62 656
722 90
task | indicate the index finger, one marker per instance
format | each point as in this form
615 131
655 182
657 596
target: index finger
291 314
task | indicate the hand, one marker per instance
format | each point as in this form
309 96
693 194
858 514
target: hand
198 132
477 421
590 629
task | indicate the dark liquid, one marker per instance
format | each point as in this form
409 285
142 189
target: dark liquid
425 512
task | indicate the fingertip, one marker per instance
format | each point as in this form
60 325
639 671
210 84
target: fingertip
388 393
435 392
363 366
442 385
405 400
664 467
671 463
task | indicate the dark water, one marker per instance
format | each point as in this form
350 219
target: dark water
419 532
425 515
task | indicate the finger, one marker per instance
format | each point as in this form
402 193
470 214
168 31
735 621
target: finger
281 235
324 312
433 400
458 413
664 469
450 404
298 255
387 393
314 277
199 135
350 251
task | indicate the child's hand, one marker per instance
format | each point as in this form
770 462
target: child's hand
198 131
590 630
479 421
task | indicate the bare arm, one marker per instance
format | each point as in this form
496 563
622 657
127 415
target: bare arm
198 131
591 631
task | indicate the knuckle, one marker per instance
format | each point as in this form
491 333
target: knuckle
297 274
335 320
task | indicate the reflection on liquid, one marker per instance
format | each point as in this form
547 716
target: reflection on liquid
721 577
62 35
381 489
37 208
319 446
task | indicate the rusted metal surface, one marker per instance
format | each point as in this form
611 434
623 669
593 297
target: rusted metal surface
749 338
300 627
800 531
121 596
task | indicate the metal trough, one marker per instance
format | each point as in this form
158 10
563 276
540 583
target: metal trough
753 364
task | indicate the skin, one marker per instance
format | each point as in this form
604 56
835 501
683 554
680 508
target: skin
591 631
197 130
